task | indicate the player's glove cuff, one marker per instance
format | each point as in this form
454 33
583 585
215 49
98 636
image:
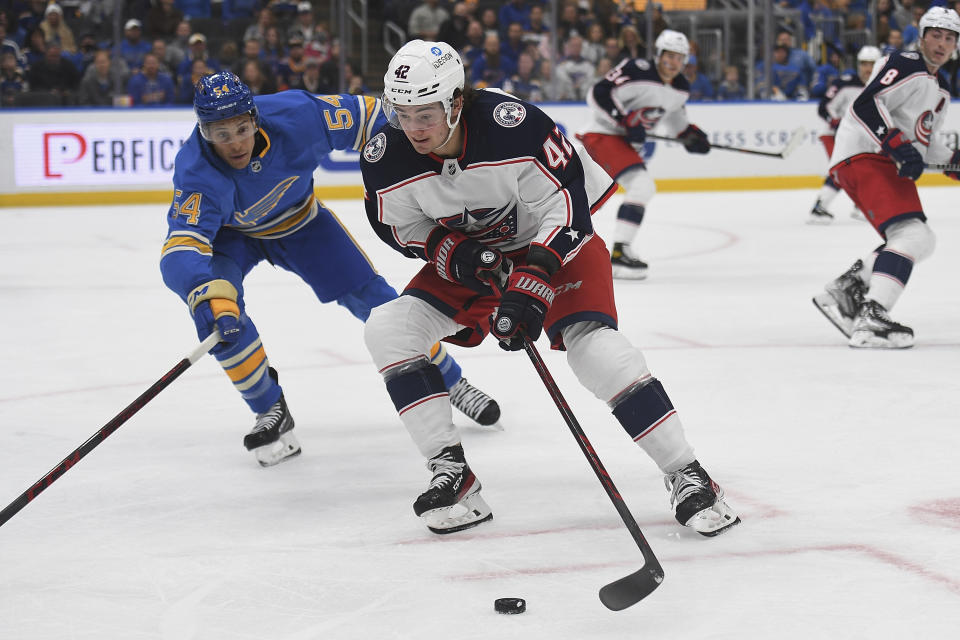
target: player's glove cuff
221 290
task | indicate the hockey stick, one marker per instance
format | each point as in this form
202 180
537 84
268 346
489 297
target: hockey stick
631 589
796 138
941 167
75 456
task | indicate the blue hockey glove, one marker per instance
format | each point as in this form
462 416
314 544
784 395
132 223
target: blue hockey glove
633 123
901 151
694 140
464 260
954 159
524 305
214 306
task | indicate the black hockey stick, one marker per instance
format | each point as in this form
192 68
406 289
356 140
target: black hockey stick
631 589
942 167
796 138
77 454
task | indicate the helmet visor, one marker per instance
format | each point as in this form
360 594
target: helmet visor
414 117
229 131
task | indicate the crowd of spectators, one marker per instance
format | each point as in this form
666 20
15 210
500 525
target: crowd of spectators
509 44
64 53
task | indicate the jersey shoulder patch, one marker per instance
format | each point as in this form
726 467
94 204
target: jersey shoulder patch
509 114
910 55
388 159
375 148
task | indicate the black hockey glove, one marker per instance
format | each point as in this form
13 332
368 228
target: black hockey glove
464 260
694 140
954 159
523 305
633 123
908 159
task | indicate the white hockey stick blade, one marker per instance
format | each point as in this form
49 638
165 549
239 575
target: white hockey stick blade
796 139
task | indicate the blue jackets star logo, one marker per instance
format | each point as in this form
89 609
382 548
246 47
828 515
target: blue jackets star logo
488 225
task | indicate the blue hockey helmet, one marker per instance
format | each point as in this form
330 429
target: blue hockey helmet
220 96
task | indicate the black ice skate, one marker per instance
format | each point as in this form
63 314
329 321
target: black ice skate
626 266
699 501
452 502
874 329
840 302
473 403
819 215
271 439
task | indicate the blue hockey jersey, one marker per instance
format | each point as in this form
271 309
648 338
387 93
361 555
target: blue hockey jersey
270 198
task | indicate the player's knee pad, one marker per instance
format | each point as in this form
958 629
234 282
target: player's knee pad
372 294
603 360
912 238
638 184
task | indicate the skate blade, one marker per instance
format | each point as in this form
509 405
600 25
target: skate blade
868 340
820 220
825 303
621 272
284 448
714 520
469 512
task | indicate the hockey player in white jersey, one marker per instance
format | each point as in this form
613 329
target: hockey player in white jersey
884 141
838 97
484 186
634 97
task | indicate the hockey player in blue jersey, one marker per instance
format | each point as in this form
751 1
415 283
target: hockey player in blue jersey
243 193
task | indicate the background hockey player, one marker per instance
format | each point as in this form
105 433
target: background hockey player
471 182
833 105
634 97
243 193
883 142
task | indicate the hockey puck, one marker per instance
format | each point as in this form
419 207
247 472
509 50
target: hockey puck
510 605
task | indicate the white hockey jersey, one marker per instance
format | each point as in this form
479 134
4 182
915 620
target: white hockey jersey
840 94
901 95
518 182
635 85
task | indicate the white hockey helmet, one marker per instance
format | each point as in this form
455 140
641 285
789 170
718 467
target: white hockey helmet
941 18
422 72
868 53
670 40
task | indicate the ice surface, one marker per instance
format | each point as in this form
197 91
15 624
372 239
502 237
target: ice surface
841 463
